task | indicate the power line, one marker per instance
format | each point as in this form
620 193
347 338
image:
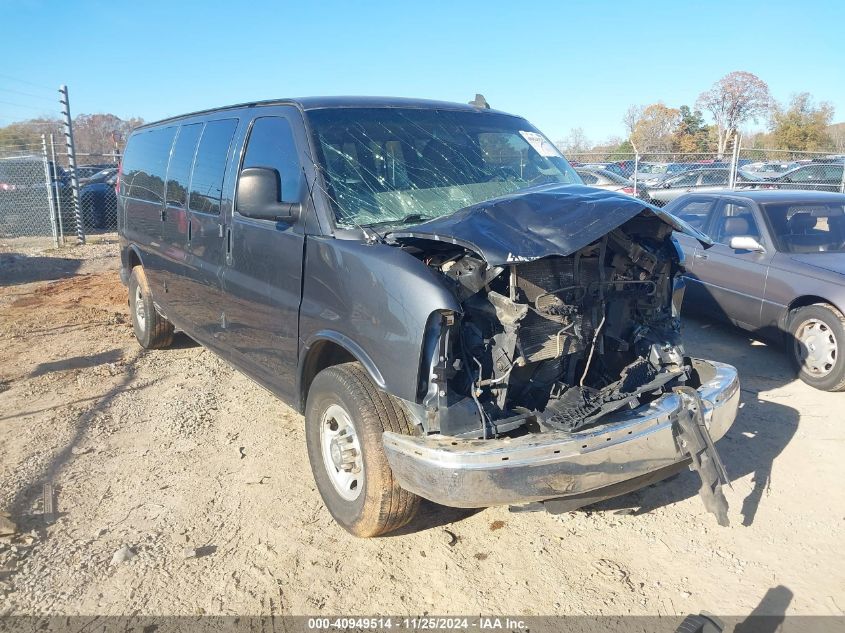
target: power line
22 105
28 94
28 83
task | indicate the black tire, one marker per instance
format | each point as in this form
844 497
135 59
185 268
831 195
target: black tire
152 330
381 505
829 324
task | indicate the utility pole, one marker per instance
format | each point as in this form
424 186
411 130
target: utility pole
71 160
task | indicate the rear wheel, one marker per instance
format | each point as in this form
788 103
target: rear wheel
152 330
345 417
817 337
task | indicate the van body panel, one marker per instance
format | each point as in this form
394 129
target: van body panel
376 295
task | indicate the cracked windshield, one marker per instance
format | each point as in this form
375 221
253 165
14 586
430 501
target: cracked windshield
391 166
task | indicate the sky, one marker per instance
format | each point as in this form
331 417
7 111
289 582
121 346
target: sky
562 65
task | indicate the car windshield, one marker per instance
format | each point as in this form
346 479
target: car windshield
398 165
651 168
807 227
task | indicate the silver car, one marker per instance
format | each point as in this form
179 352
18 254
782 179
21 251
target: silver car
777 267
607 180
705 179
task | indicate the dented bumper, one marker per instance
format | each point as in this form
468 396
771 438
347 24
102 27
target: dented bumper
629 445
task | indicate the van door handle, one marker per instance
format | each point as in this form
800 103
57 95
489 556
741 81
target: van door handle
702 256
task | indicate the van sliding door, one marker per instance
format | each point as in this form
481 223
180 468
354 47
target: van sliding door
202 293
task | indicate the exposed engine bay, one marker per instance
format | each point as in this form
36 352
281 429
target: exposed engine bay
556 343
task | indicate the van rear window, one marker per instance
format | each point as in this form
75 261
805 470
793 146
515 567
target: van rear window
146 163
210 166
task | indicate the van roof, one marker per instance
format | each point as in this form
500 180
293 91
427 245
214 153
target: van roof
317 103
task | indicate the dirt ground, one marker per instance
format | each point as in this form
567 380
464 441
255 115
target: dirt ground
167 450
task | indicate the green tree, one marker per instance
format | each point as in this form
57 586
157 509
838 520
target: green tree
802 125
622 151
692 133
25 136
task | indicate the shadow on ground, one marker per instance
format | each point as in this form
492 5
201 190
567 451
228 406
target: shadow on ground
78 362
16 268
760 433
432 515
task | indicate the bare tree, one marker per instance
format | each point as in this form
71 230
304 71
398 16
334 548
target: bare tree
632 116
102 133
576 141
837 136
734 99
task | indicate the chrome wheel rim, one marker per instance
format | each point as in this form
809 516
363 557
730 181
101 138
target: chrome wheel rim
140 312
816 347
341 451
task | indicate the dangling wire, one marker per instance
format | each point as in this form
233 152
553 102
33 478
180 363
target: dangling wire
592 349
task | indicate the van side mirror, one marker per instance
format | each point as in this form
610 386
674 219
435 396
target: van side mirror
259 195
746 243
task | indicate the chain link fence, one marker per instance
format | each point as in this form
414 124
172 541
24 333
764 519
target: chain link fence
785 169
37 197
660 177
27 202
96 174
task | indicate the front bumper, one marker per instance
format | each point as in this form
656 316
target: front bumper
536 467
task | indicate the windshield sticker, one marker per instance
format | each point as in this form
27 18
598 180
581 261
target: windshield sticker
540 143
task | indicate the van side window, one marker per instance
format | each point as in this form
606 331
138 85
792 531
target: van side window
146 164
271 145
179 170
210 166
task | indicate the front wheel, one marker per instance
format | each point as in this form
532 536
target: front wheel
345 417
817 333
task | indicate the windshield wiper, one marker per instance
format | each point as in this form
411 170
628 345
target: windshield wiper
411 217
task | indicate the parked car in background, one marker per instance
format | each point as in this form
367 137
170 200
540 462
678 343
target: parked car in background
672 169
457 316
814 176
603 179
86 171
100 176
622 167
649 171
770 169
706 179
98 201
777 266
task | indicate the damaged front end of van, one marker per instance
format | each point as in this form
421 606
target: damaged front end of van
561 378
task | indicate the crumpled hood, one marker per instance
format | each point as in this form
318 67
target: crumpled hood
538 222
834 262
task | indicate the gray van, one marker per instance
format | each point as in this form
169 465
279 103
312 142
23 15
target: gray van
457 316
